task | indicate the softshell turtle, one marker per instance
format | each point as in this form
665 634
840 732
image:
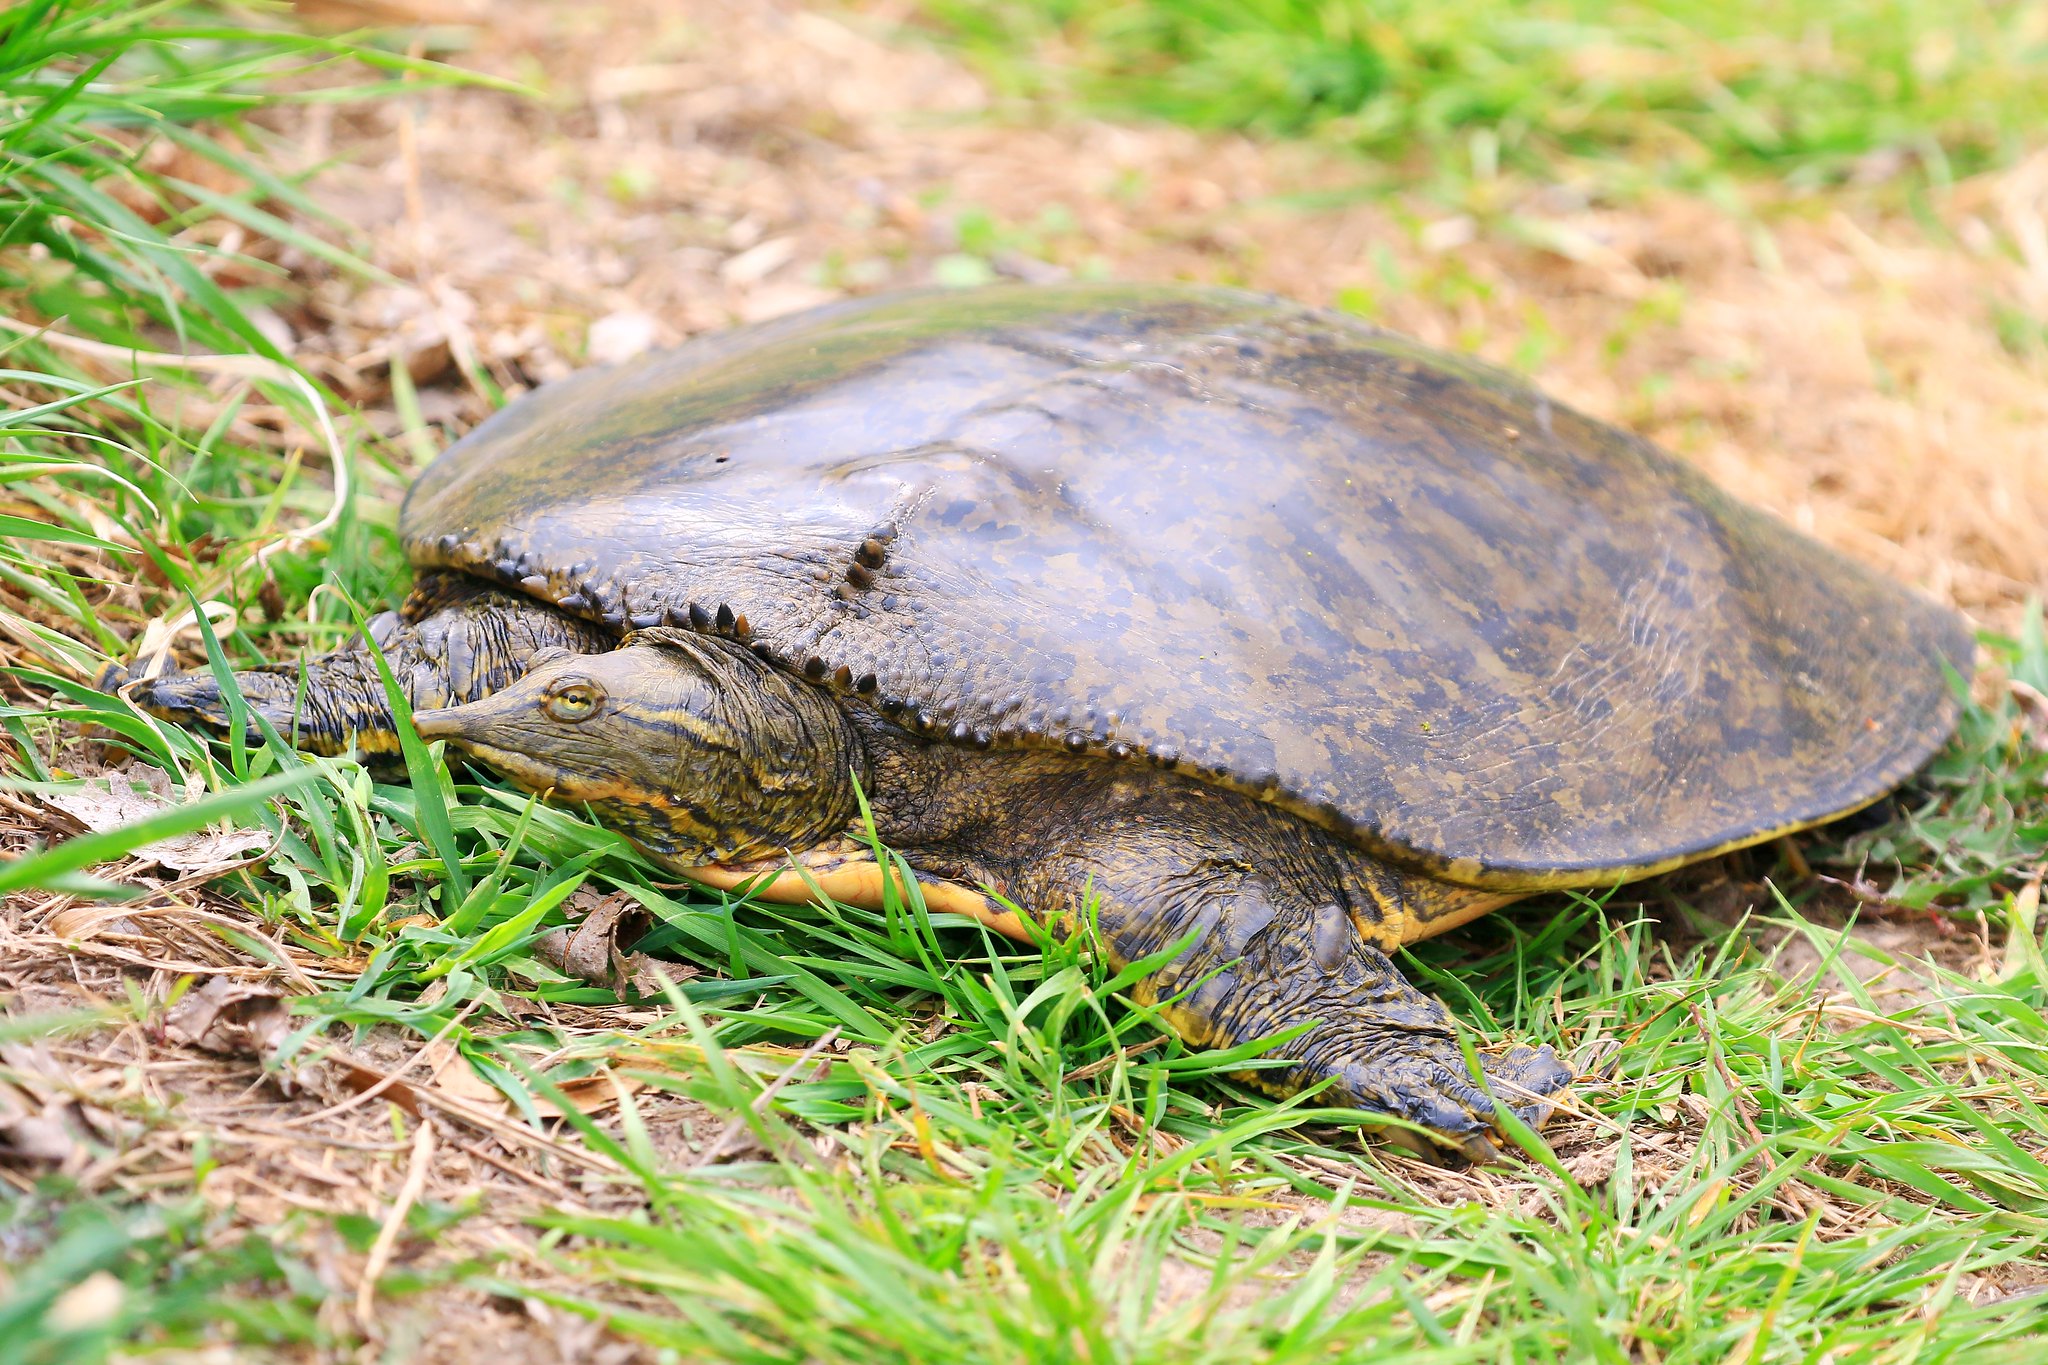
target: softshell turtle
1267 633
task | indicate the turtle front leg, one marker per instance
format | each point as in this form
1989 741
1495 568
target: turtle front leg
1264 962
457 642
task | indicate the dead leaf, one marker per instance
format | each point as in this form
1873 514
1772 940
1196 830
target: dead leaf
31 1133
356 1077
449 1074
108 803
78 923
2033 706
1710 1198
591 1094
448 1070
593 948
237 1019
42 1119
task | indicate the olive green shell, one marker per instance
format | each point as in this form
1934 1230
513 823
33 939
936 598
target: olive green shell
1393 591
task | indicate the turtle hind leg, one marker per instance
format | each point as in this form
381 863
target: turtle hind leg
450 645
437 591
1286 929
1265 962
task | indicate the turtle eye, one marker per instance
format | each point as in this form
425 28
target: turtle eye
572 699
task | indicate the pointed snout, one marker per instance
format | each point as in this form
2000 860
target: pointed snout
504 732
496 716
447 722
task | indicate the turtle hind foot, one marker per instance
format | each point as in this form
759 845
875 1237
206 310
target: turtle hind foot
197 698
1419 1074
1385 1047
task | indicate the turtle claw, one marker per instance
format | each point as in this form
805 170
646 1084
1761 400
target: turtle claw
1479 1149
1423 1079
1393 1050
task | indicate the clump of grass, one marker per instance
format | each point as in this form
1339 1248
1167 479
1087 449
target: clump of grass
141 216
1973 831
81 1280
139 212
1813 91
105 160
1777 1171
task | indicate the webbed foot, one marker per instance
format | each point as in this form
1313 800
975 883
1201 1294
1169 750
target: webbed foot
196 698
458 642
1424 1080
1389 1048
1273 926
1392 1050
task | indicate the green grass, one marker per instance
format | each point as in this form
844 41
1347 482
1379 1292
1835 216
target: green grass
997 1157
980 1192
87 1280
1622 94
1984 812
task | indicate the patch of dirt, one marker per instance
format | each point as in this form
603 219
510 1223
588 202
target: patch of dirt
200 1096
128 1117
1880 956
1885 946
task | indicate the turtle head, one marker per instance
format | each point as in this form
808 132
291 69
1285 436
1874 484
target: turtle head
690 745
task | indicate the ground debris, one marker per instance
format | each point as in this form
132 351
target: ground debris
240 1019
593 947
2033 709
45 1121
451 1085
109 801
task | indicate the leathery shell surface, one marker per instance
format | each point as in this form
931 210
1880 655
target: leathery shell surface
1391 590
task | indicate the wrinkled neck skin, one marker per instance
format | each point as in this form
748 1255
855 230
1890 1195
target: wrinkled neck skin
475 641
733 760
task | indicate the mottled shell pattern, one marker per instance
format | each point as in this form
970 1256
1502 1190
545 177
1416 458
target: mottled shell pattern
1393 591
